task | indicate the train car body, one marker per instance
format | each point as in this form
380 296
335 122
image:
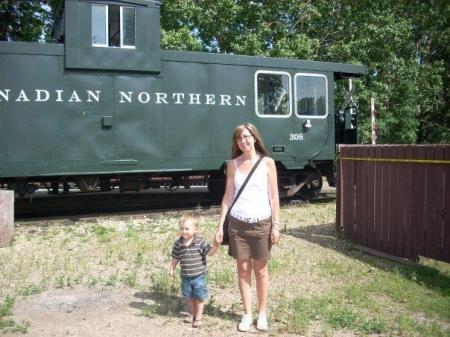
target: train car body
95 111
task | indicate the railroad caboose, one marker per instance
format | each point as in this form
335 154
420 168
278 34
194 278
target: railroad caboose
106 106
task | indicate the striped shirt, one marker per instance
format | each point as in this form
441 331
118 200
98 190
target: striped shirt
192 258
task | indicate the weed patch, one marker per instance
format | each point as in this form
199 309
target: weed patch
31 289
7 324
223 278
103 233
149 311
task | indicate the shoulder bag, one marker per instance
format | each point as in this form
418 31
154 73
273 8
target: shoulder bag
226 237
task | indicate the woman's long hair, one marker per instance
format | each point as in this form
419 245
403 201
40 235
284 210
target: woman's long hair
259 144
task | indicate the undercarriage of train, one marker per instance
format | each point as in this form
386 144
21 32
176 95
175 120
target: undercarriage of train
305 183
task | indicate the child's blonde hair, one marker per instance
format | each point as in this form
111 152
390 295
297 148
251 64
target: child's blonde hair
189 216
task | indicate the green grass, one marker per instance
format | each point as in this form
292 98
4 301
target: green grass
222 278
318 283
31 289
130 280
149 311
7 324
103 233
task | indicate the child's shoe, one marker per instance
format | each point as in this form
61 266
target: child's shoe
261 323
245 323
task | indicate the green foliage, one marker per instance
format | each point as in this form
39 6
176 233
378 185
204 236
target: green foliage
223 277
103 233
163 284
149 311
22 20
6 307
8 325
131 280
31 289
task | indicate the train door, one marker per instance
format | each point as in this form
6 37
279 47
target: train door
310 138
273 108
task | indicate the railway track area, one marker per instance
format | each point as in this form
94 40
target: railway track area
74 205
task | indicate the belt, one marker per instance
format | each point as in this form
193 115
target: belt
250 220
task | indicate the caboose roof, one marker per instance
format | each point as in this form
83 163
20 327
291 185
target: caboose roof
341 70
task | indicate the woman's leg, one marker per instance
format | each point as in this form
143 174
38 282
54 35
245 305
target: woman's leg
262 283
244 268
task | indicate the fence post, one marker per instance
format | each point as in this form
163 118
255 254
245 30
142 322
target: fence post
6 217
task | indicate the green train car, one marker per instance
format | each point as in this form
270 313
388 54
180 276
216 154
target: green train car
106 107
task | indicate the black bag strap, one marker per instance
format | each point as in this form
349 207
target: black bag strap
243 185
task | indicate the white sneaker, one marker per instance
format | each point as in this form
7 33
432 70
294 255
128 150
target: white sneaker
261 323
245 323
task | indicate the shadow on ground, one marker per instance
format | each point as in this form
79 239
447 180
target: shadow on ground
326 235
173 305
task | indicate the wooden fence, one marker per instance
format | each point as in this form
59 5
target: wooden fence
395 199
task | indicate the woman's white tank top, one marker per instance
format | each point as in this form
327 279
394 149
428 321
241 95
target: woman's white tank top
253 203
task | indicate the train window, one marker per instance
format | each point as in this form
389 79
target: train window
272 93
311 92
128 24
113 26
99 25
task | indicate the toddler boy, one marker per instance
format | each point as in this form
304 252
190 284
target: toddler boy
190 250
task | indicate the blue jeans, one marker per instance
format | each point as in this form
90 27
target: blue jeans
194 287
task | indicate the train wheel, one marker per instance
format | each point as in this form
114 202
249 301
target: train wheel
313 186
54 187
87 183
105 185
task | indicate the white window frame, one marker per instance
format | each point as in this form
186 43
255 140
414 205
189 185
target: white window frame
121 28
256 93
326 95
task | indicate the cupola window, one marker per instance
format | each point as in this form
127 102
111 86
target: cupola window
113 26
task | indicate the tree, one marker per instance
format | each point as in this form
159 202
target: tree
22 20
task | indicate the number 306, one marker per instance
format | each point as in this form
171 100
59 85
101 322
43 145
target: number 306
296 136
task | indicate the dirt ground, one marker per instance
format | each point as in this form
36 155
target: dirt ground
109 313
86 310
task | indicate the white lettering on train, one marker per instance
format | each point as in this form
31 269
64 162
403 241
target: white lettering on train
123 97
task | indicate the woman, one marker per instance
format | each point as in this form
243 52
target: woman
254 218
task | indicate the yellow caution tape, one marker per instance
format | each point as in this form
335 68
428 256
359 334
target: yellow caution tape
396 160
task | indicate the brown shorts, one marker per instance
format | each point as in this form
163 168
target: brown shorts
249 240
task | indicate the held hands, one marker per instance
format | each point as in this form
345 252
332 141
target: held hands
218 237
